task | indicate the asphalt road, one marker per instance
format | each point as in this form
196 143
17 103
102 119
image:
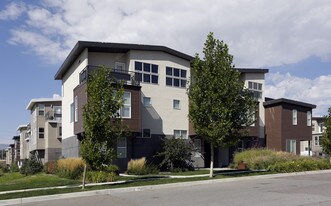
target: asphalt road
311 189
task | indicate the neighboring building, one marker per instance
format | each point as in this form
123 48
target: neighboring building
318 129
288 125
156 103
10 154
44 131
24 142
16 150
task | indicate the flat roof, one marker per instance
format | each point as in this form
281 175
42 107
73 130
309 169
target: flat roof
271 102
21 127
252 70
42 100
111 48
16 137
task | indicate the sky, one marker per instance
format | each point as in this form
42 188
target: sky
290 38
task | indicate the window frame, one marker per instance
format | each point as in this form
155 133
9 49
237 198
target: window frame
41 110
180 134
149 102
126 106
309 118
41 133
142 133
170 75
76 109
174 105
291 146
121 147
294 117
147 72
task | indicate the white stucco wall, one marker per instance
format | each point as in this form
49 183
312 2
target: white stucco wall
69 82
258 78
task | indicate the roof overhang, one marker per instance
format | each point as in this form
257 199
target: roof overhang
273 102
42 100
253 70
20 127
111 48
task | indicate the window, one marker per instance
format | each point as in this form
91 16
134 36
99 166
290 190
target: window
60 131
126 109
321 127
291 146
41 132
294 117
256 89
176 77
309 118
72 112
180 134
41 109
121 147
76 109
147 101
317 140
197 147
313 127
176 104
57 112
147 73
146 133
252 119
120 67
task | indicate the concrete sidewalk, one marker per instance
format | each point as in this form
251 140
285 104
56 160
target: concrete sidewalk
172 185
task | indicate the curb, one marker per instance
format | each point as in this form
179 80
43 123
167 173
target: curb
151 187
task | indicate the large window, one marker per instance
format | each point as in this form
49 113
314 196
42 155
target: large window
176 77
256 89
41 132
309 118
317 140
76 109
180 134
291 146
121 147
147 73
41 109
294 117
125 111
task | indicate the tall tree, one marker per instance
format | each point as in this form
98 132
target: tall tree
102 122
326 138
220 107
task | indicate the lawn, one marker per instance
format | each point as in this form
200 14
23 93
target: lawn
17 181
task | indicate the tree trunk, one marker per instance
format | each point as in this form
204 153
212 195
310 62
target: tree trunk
211 160
84 177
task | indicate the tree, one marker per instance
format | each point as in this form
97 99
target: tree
220 107
326 138
102 123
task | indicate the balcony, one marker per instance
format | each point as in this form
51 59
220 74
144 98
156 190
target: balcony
53 116
128 77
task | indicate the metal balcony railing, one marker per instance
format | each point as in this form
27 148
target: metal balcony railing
51 115
129 77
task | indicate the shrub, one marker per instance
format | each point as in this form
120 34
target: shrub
31 166
111 169
71 168
14 168
50 167
100 176
176 154
301 164
139 167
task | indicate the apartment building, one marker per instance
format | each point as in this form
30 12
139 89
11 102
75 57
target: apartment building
44 132
10 154
16 151
288 125
24 142
156 103
318 129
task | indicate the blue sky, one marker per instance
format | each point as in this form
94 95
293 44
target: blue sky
290 38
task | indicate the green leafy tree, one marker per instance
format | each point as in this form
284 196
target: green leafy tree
176 154
31 166
102 122
220 107
326 139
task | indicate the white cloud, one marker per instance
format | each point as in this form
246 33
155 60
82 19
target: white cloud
12 11
260 33
315 91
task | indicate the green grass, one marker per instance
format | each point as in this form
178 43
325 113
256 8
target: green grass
186 173
136 182
16 181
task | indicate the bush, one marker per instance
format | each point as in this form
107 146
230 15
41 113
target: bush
176 154
14 168
111 169
258 159
31 166
71 168
100 176
50 167
139 167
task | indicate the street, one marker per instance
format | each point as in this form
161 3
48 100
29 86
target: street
311 189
